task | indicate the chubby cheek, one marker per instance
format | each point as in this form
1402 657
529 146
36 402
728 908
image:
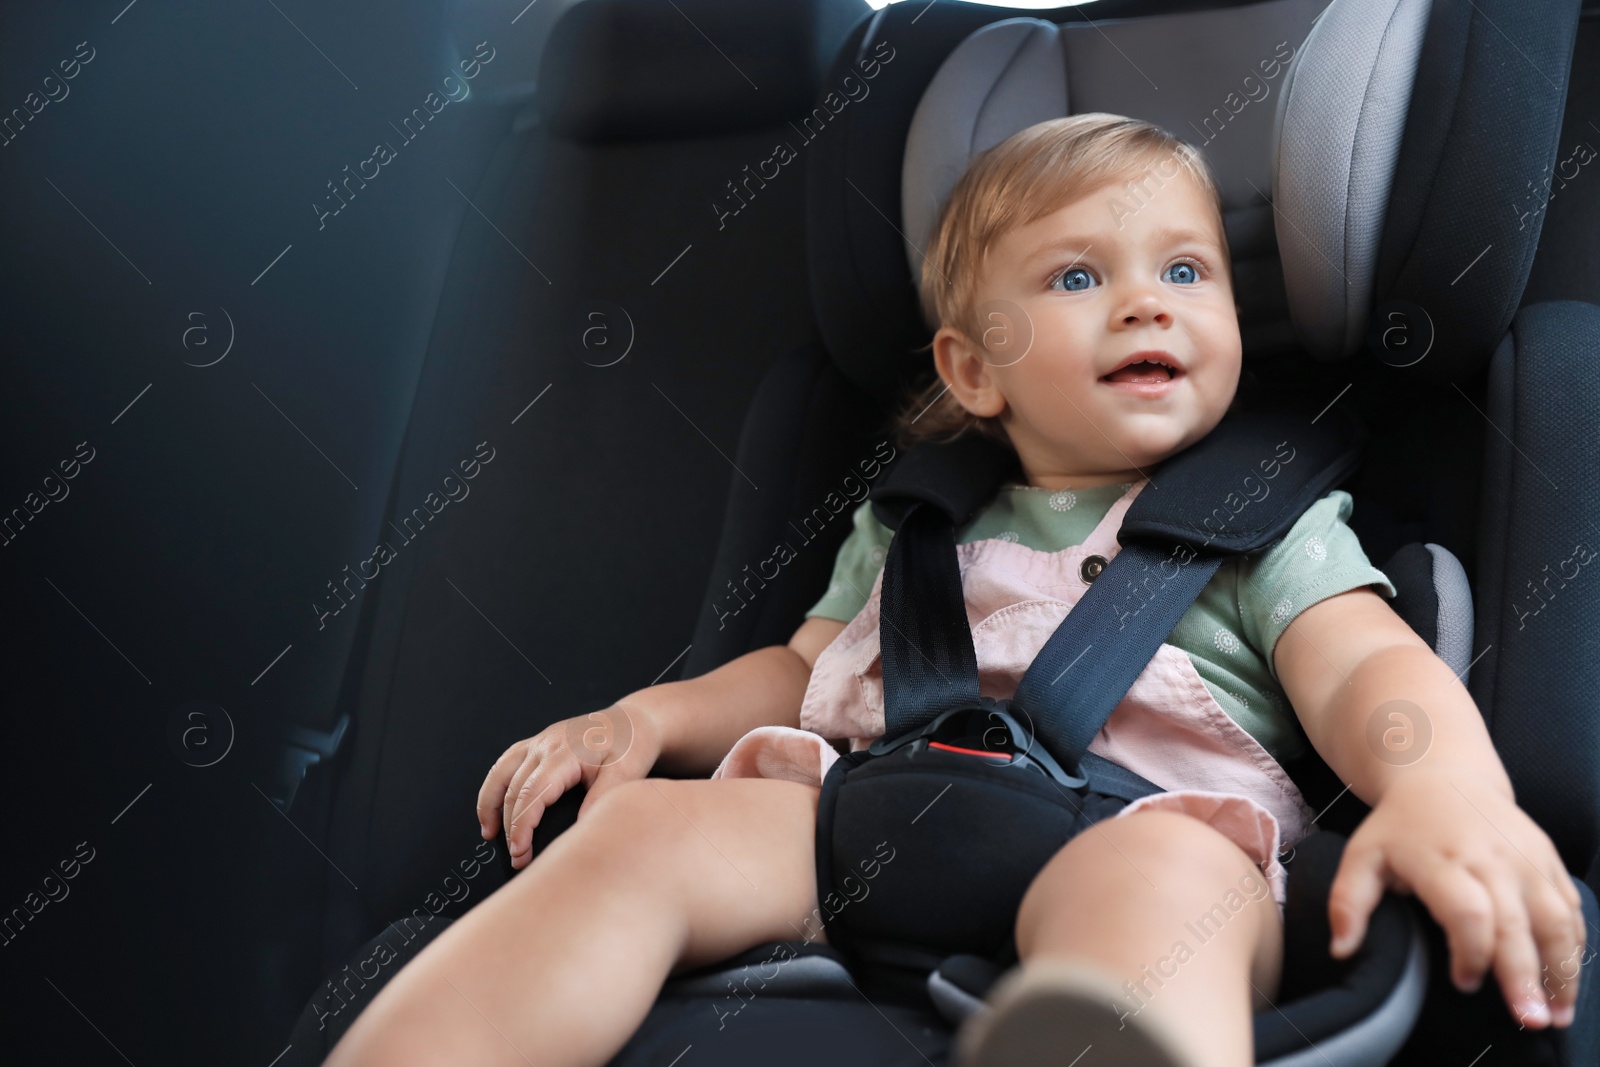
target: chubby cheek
1223 353
1215 389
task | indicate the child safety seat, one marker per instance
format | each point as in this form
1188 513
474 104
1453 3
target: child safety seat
1341 141
1366 151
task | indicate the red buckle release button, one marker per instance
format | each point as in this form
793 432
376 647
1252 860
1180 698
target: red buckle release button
1003 756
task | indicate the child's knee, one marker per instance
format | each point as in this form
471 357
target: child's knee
1165 857
633 824
1181 843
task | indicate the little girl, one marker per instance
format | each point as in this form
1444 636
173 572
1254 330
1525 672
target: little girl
1079 283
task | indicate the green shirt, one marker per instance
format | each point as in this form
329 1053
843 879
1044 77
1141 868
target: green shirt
1230 631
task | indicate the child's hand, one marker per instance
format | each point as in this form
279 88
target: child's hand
1488 875
601 749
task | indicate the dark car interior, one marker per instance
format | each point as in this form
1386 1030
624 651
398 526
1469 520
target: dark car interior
596 302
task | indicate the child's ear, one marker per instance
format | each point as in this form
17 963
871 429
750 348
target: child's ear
962 365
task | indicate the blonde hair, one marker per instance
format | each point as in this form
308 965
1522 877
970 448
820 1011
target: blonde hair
1028 175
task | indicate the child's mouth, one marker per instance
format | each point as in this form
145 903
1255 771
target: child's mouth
1144 379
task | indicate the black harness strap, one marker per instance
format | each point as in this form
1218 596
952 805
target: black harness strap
929 665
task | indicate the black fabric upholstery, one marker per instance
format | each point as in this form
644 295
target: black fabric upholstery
789 1032
625 69
1443 176
574 571
353 985
1535 583
1567 266
1411 571
813 445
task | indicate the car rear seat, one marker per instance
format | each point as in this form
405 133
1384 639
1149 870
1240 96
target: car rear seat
609 195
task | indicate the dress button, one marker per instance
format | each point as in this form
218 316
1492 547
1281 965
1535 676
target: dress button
1091 567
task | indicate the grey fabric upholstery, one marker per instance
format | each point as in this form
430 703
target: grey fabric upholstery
1454 641
1342 115
780 973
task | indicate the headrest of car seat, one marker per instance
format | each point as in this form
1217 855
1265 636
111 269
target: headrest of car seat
1332 180
625 69
1361 148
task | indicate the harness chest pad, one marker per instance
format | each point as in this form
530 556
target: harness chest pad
1240 488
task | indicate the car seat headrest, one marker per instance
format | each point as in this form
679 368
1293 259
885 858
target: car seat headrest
633 69
1331 176
1364 180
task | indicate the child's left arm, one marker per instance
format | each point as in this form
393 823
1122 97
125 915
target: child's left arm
1394 722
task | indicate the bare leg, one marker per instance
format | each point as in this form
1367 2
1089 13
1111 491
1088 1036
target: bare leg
561 965
1175 910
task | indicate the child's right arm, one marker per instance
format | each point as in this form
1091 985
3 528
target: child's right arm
683 728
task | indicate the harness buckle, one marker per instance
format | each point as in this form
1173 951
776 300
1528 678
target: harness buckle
998 737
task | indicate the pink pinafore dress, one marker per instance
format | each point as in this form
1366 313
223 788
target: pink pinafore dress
1168 728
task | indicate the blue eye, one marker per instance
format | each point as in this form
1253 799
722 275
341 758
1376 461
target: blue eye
1077 279
1069 273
